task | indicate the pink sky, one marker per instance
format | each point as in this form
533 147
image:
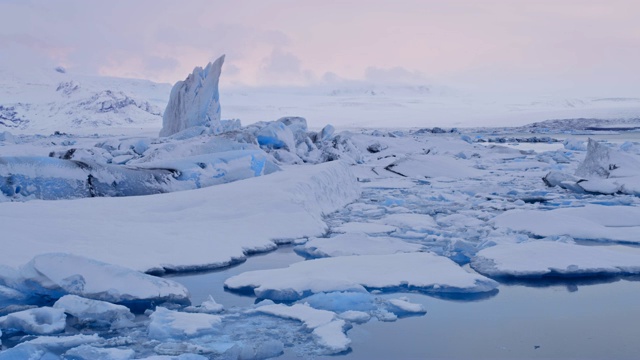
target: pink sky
498 44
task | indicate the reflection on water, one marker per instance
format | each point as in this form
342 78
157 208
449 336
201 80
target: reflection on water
577 318
201 285
598 322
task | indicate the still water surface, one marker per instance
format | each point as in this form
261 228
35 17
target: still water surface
563 320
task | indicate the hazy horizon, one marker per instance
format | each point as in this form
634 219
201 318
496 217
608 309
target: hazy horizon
499 46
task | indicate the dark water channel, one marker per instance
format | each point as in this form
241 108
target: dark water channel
573 319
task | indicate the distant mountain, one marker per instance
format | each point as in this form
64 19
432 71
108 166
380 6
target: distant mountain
48 100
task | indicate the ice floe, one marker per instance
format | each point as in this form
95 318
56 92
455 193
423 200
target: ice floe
549 258
590 222
411 271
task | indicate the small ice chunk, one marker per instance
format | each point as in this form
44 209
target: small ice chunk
208 306
169 324
402 306
88 352
364 227
416 222
87 310
38 321
355 316
276 135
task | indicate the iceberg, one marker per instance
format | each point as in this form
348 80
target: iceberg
37 321
195 101
285 205
55 275
425 272
88 352
549 258
93 311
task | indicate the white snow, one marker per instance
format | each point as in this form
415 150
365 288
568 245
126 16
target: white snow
195 101
169 324
548 258
202 228
591 222
423 271
355 244
37 321
52 274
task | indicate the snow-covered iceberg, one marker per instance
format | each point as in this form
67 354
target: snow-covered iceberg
55 275
425 272
218 225
354 244
590 222
550 258
195 101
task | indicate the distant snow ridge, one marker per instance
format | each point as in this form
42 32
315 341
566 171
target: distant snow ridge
194 101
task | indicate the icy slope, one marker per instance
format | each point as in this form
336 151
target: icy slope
202 228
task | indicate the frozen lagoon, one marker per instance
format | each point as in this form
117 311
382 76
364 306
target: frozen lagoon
451 214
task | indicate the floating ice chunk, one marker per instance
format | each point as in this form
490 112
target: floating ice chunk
88 352
177 357
415 222
169 324
575 144
548 258
87 310
565 181
38 321
59 274
194 101
403 307
354 244
325 326
276 135
208 306
355 316
47 347
342 301
591 222
424 271
364 227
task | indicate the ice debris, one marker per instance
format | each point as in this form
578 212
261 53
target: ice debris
169 324
37 321
93 311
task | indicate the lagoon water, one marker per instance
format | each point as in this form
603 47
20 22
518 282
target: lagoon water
573 319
